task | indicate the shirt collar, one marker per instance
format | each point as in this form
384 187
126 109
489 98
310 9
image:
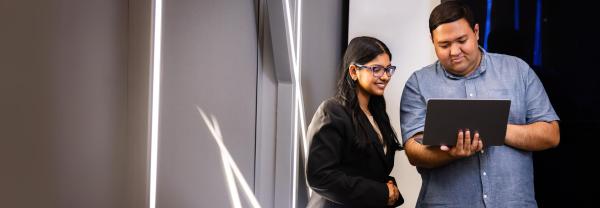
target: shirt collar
478 71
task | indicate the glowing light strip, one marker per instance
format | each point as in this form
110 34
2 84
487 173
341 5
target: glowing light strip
488 24
295 158
156 71
537 44
295 138
298 73
299 93
290 32
299 120
229 164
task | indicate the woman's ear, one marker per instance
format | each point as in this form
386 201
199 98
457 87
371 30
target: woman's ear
352 71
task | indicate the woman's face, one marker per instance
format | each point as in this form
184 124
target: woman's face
366 80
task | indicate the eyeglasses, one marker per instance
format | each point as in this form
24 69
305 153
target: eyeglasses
379 70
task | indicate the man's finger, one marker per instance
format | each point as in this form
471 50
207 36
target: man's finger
476 140
459 140
467 144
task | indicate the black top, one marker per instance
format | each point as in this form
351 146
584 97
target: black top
337 169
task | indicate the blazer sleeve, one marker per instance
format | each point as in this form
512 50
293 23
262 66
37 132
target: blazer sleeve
324 172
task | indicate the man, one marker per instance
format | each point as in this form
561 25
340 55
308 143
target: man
466 174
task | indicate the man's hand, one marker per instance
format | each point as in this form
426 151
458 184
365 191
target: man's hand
465 146
393 193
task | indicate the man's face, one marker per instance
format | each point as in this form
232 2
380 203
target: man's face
456 46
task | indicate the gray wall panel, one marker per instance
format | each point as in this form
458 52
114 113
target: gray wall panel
266 115
322 31
63 109
209 60
138 97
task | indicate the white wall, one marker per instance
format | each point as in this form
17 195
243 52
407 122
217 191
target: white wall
403 26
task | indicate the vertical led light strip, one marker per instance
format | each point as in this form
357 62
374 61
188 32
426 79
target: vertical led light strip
295 132
294 40
537 44
298 74
488 24
156 67
299 95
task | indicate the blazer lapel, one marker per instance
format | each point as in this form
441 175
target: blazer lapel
375 140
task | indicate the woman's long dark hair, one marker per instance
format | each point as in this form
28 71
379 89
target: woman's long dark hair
362 50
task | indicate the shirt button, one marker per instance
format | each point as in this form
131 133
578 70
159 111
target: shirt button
471 94
482 152
485 196
484 173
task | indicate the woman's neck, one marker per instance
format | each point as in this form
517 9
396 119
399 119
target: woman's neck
363 100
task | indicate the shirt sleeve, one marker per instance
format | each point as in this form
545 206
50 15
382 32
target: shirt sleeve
538 104
412 109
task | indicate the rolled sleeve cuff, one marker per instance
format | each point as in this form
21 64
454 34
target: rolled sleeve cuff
411 133
546 118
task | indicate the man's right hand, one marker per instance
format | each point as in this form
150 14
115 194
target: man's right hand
465 146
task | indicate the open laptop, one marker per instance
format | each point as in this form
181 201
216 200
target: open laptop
446 116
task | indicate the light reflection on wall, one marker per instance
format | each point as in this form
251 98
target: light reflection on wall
232 172
231 169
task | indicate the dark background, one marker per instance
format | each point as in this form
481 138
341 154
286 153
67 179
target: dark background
569 73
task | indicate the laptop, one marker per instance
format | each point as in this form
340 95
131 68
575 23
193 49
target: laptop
446 116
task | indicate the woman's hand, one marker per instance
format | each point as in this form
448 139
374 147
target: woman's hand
393 193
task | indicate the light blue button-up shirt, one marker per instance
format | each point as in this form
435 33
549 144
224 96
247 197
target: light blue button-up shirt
498 176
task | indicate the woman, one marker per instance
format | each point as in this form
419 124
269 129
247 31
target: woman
352 142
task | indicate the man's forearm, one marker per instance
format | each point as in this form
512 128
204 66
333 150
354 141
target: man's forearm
533 137
425 156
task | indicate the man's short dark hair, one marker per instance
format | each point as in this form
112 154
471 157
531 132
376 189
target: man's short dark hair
450 11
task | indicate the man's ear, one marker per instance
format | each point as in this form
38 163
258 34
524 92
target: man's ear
476 30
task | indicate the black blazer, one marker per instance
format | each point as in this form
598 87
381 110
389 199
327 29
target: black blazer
340 172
